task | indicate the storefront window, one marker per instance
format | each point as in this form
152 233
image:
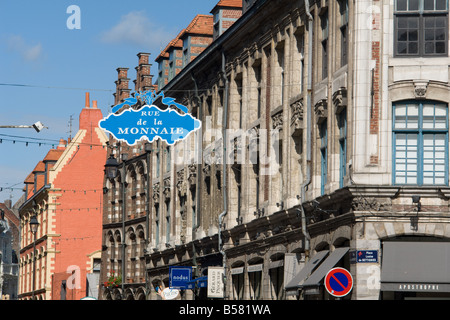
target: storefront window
255 280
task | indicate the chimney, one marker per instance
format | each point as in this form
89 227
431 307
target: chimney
122 91
143 77
89 117
62 144
87 103
143 57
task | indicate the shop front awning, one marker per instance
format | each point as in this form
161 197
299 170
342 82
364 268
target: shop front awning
415 266
329 263
309 267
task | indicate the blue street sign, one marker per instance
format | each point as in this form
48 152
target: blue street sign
179 277
367 256
364 256
149 122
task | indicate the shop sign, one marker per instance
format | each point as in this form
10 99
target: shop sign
215 282
238 270
169 294
179 277
418 287
255 268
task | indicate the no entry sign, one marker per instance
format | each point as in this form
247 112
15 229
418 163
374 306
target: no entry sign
338 282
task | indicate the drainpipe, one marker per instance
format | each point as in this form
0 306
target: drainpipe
147 218
224 170
196 223
308 131
124 194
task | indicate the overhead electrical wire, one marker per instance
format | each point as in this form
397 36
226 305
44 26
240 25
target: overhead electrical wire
171 90
51 87
41 141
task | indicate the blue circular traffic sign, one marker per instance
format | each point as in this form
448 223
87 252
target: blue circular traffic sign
338 282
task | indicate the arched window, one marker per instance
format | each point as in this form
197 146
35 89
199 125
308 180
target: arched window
255 271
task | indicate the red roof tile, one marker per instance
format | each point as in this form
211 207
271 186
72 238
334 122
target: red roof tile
53 155
201 24
40 167
29 178
228 3
176 42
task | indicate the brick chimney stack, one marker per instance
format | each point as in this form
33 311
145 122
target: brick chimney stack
87 100
62 144
89 117
144 79
122 91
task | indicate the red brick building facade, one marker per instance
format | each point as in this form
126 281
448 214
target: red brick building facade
64 191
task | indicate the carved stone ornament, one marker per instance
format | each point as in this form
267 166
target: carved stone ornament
207 171
253 133
181 183
369 204
156 193
340 100
216 152
320 109
420 89
167 189
297 114
237 147
208 155
277 121
192 174
253 139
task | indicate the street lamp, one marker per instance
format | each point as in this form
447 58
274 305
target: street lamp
111 167
111 172
34 224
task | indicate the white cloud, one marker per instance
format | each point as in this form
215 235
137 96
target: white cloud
136 28
29 52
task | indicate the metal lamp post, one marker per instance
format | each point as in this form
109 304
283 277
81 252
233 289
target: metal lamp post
148 149
34 224
111 172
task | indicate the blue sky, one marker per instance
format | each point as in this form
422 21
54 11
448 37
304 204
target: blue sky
58 65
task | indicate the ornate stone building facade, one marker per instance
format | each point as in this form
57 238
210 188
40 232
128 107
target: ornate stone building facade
324 141
9 250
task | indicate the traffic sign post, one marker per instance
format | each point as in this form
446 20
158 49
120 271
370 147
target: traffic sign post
338 282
